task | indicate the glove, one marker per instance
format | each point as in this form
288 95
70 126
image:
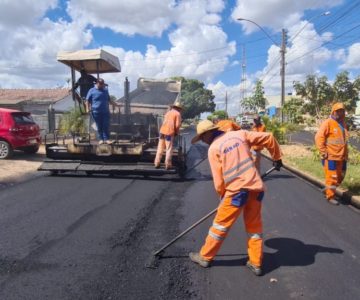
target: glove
324 155
277 164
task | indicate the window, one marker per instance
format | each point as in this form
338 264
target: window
22 118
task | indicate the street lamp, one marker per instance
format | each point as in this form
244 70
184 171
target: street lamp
326 13
283 51
282 63
262 29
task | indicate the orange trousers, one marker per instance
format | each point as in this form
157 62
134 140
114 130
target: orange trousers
226 216
166 142
334 174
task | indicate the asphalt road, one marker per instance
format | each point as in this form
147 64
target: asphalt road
90 238
307 138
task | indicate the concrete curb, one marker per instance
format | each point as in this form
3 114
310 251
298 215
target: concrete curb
346 196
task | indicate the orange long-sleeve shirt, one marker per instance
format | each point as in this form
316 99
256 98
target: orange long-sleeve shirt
260 128
331 139
172 123
231 162
227 125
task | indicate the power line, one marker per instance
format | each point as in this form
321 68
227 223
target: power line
337 37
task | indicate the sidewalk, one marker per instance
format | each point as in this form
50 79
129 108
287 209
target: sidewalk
20 167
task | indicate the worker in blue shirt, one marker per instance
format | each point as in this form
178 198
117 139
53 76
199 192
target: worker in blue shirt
97 103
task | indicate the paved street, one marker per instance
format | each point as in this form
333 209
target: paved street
90 238
307 138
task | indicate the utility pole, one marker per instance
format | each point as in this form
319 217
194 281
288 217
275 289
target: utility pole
282 72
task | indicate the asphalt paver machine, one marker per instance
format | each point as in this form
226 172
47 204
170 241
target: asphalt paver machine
134 135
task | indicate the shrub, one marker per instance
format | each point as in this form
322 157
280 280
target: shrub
73 122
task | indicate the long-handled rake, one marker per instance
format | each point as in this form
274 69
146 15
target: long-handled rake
153 261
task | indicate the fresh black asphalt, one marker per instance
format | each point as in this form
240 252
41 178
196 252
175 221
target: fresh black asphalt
72 237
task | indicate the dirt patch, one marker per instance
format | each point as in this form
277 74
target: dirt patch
290 151
21 166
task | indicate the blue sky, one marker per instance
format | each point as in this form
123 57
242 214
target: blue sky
193 38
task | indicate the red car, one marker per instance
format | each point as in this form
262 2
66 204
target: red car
18 131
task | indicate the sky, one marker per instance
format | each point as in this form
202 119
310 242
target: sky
200 39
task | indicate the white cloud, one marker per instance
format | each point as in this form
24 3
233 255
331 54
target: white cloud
188 55
31 62
15 14
276 14
146 17
352 60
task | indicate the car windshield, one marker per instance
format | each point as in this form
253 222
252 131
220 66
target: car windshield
22 118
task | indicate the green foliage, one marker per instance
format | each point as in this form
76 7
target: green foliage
72 122
257 101
219 115
354 155
278 129
195 98
315 153
317 91
312 165
345 90
293 110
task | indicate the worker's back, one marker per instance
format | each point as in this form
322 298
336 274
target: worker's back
172 122
230 157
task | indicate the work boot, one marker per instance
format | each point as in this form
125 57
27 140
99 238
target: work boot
256 270
333 201
196 258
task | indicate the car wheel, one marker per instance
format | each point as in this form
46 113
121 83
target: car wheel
6 150
31 149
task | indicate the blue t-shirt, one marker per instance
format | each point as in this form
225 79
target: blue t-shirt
99 100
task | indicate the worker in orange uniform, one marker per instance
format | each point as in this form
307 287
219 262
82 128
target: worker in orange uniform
169 129
256 150
331 140
227 125
239 185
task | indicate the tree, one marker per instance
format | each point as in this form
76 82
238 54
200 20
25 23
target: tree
257 101
218 114
293 109
195 98
316 91
345 90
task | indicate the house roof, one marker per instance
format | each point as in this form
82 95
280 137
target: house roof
15 96
154 92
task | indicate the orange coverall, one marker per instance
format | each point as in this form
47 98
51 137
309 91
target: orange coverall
240 187
331 140
168 130
227 125
256 150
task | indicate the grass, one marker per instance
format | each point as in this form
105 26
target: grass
314 168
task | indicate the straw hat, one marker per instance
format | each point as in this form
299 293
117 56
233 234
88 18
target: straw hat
337 106
201 128
178 105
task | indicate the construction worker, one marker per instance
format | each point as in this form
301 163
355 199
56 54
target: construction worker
169 129
331 140
239 185
97 104
227 125
256 150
